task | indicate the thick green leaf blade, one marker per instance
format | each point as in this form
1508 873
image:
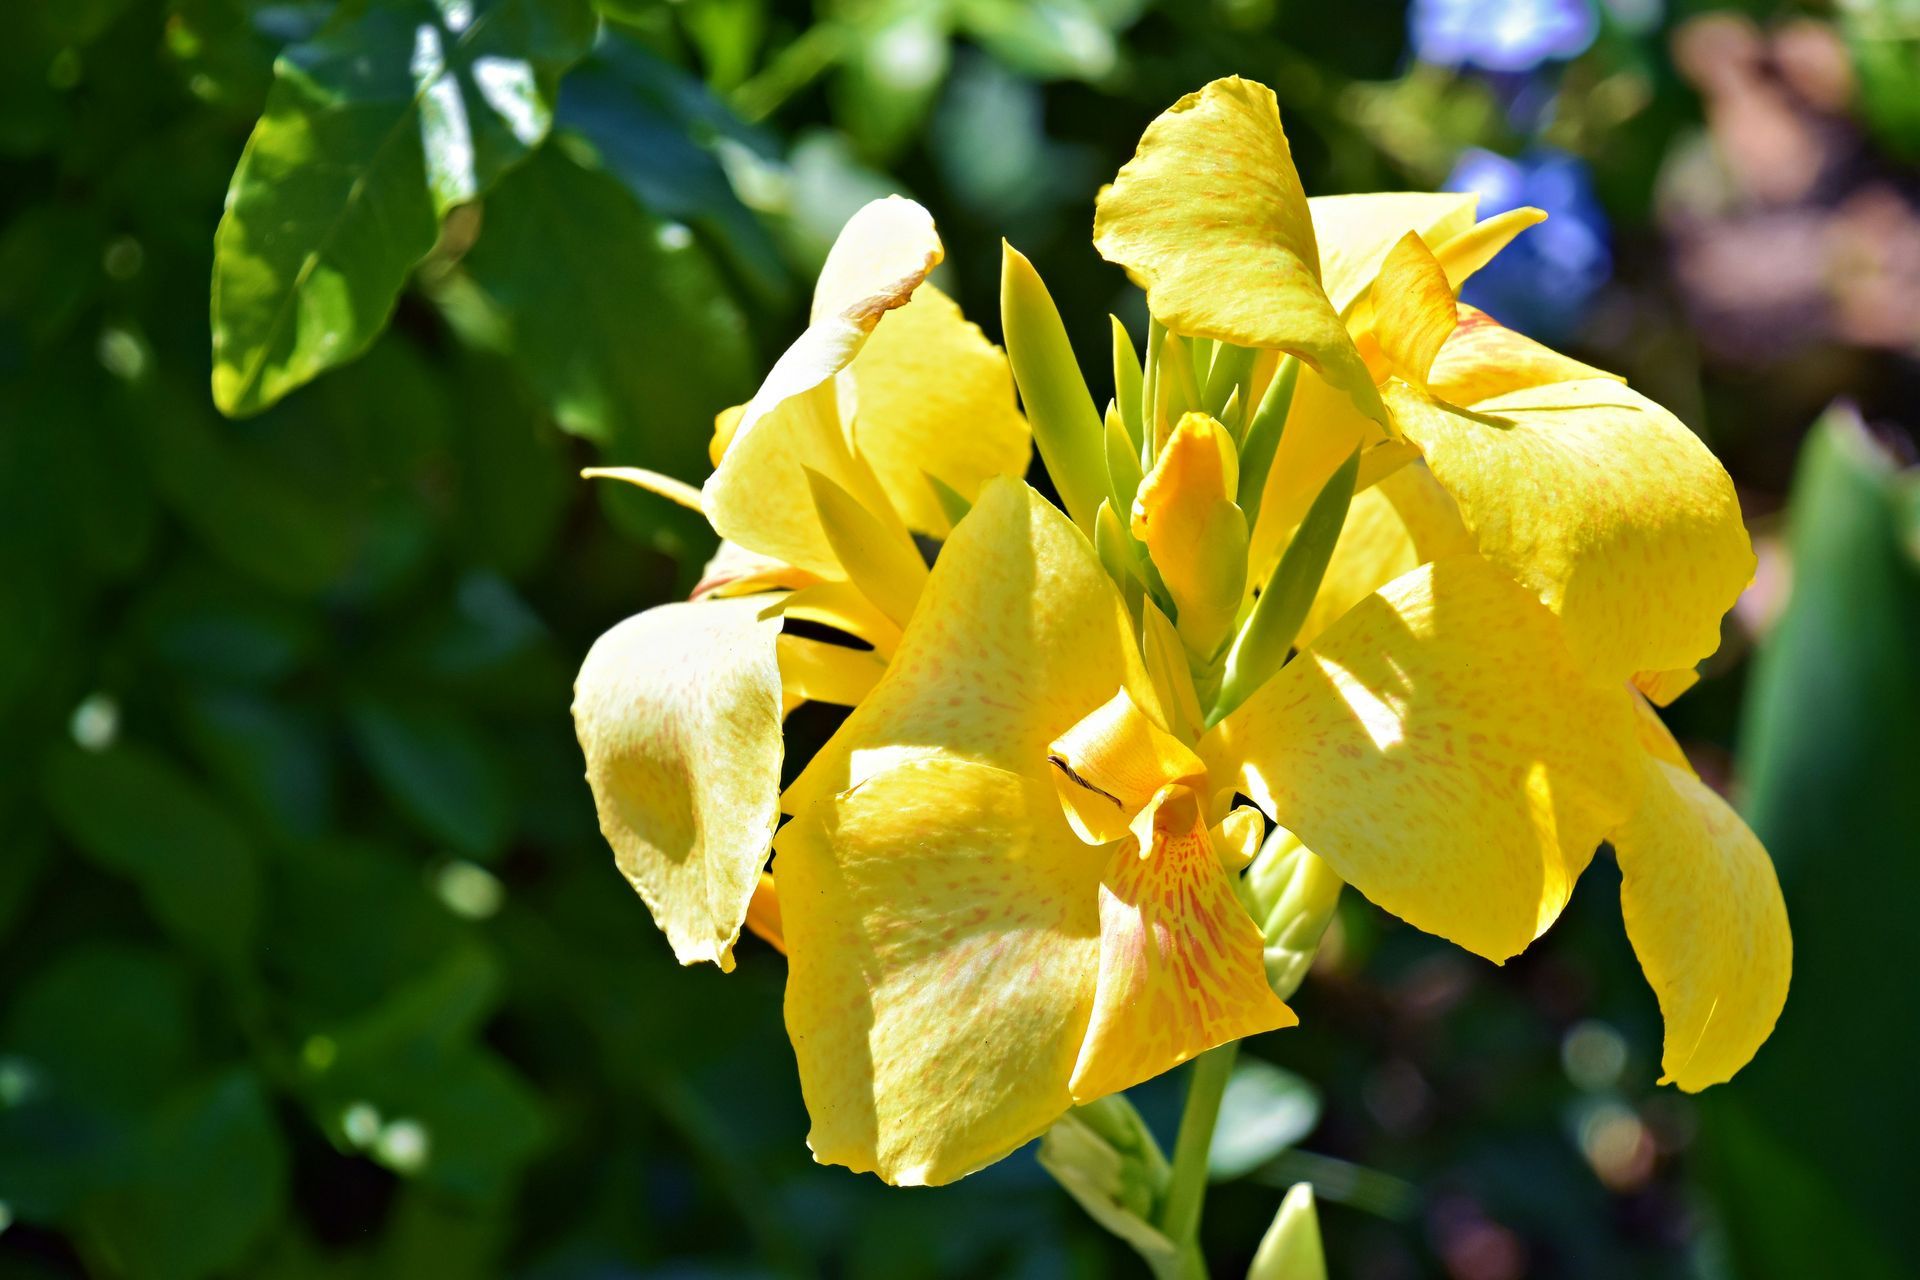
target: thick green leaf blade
1827 752
371 133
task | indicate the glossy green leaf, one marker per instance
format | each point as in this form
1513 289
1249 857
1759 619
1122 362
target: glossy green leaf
372 133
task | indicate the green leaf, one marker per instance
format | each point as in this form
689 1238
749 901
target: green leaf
73 1094
372 132
1265 1110
138 816
619 317
1826 753
256 517
408 1084
439 771
208 1179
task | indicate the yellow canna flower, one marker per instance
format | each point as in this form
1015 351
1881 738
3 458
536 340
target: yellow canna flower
1005 892
1402 578
819 483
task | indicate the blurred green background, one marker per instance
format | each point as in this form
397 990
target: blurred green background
312 962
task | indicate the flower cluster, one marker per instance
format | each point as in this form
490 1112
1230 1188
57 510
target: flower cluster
1345 567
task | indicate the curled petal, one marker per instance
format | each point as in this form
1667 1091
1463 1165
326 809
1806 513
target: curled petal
1413 309
678 712
758 494
1421 747
1356 232
1604 505
1112 764
1705 916
1210 216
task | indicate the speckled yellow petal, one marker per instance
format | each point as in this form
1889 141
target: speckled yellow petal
1112 764
1356 232
1404 521
1441 751
1604 505
1210 216
1483 359
1018 635
943 925
1181 966
1413 308
678 713
1185 514
757 494
934 397
1704 913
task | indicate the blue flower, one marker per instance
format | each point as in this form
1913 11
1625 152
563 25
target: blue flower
1545 282
1500 35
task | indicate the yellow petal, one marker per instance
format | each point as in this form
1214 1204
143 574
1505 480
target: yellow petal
1483 359
878 556
1405 521
1237 837
1196 536
763 914
1655 738
1662 687
1422 748
1112 764
1180 959
822 672
1413 308
736 571
678 713
1321 432
1704 913
678 491
1462 255
934 397
840 605
1210 215
757 494
1356 232
943 925
1604 505
1018 635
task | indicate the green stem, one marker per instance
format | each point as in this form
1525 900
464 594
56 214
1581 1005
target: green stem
1187 1184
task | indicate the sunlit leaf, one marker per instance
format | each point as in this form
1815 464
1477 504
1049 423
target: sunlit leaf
372 133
